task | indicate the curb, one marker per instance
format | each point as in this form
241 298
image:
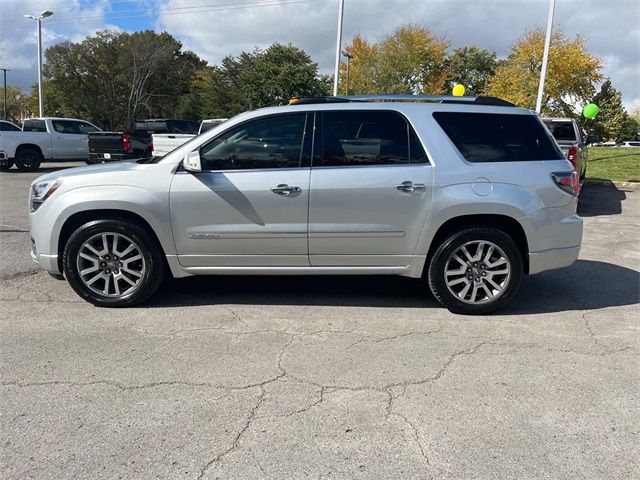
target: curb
613 184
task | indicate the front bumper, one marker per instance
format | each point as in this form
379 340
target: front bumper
46 262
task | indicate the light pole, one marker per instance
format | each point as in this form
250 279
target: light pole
336 72
545 55
348 57
43 15
5 70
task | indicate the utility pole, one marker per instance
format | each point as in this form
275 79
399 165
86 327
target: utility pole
348 57
38 20
5 70
336 73
545 55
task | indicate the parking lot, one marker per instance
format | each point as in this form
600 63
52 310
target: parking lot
324 377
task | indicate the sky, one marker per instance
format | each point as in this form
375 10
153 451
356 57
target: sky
217 28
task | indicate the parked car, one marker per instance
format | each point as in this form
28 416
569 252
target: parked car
137 142
630 144
163 143
41 139
466 193
572 142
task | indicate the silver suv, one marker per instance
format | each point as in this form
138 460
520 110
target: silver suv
467 194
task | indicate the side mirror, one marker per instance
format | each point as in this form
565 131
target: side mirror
191 162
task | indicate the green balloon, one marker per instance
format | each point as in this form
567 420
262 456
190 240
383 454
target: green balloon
590 111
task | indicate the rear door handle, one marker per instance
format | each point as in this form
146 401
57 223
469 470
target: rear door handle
284 189
409 186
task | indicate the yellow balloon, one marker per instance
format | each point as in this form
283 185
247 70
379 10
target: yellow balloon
458 90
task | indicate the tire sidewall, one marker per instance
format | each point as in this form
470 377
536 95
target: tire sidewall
154 270
436 275
34 157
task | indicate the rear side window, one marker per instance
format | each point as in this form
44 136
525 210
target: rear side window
367 137
562 131
494 137
34 126
8 127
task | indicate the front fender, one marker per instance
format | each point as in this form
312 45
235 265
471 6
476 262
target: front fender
153 207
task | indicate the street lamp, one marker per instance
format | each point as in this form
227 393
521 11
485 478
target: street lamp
336 72
5 70
348 57
45 14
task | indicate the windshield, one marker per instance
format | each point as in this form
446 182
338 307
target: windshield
562 131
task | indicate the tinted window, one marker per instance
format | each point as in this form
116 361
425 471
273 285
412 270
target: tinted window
182 126
562 130
152 127
84 127
73 127
273 142
366 137
208 126
34 126
492 137
8 127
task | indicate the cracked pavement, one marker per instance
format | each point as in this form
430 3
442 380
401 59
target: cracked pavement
329 378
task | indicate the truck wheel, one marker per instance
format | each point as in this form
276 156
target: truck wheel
475 271
112 263
6 165
28 159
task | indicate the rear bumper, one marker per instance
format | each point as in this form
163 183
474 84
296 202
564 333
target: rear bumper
113 157
551 259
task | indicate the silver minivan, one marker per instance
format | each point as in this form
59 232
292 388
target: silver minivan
466 194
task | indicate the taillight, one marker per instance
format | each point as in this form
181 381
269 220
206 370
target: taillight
126 142
572 155
567 181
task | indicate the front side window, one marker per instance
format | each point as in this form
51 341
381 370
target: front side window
494 137
85 128
34 126
367 137
272 142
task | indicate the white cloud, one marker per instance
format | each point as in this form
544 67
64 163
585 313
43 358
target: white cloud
610 28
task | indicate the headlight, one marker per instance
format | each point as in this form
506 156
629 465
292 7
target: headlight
43 190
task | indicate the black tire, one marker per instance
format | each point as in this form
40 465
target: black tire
437 279
6 165
28 159
154 266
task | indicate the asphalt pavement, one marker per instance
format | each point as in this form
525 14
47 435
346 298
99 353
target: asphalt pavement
324 377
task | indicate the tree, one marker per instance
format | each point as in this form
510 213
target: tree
572 73
471 67
410 60
18 104
611 119
114 78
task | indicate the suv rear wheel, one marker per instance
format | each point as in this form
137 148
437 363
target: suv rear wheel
112 263
475 271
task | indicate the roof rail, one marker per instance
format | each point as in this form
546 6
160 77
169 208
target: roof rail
478 100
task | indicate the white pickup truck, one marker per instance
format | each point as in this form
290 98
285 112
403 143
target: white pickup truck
44 139
163 143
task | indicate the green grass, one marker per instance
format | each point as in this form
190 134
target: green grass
613 163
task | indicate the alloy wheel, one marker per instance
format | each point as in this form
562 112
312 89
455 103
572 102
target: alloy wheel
111 264
477 272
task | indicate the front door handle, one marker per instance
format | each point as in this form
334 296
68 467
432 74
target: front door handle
284 189
409 186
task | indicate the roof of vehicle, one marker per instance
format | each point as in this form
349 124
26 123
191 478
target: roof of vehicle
57 118
557 119
401 103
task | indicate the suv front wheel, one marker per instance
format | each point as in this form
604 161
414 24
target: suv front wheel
475 271
112 263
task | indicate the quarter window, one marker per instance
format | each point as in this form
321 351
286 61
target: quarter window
368 137
272 142
492 137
